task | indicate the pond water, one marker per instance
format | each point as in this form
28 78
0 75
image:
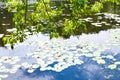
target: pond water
93 55
85 57
5 23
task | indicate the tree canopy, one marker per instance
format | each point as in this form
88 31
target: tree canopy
57 18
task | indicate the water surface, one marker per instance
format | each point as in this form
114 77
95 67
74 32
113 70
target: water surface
93 55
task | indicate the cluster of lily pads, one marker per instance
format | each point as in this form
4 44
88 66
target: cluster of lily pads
59 54
105 16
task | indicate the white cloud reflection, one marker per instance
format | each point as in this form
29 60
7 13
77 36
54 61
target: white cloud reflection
59 54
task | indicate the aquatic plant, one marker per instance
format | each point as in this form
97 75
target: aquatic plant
42 16
61 54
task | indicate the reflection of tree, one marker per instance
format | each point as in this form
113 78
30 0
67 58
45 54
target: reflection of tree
60 18
5 22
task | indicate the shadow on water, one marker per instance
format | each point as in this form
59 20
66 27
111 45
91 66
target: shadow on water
5 22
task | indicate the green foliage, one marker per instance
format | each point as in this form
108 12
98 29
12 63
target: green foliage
46 19
97 7
47 1
112 1
54 34
78 7
72 26
68 27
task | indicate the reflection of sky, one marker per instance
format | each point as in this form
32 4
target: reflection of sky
72 73
88 70
101 37
78 72
22 75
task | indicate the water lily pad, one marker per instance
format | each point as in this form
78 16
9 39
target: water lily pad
112 66
1 35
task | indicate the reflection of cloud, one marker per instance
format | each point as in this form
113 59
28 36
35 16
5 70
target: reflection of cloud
19 75
4 52
59 55
94 71
23 49
92 68
108 76
46 77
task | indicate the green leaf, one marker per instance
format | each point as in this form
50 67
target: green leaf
97 7
47 1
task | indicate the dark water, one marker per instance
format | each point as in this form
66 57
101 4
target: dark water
93 55
5 22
